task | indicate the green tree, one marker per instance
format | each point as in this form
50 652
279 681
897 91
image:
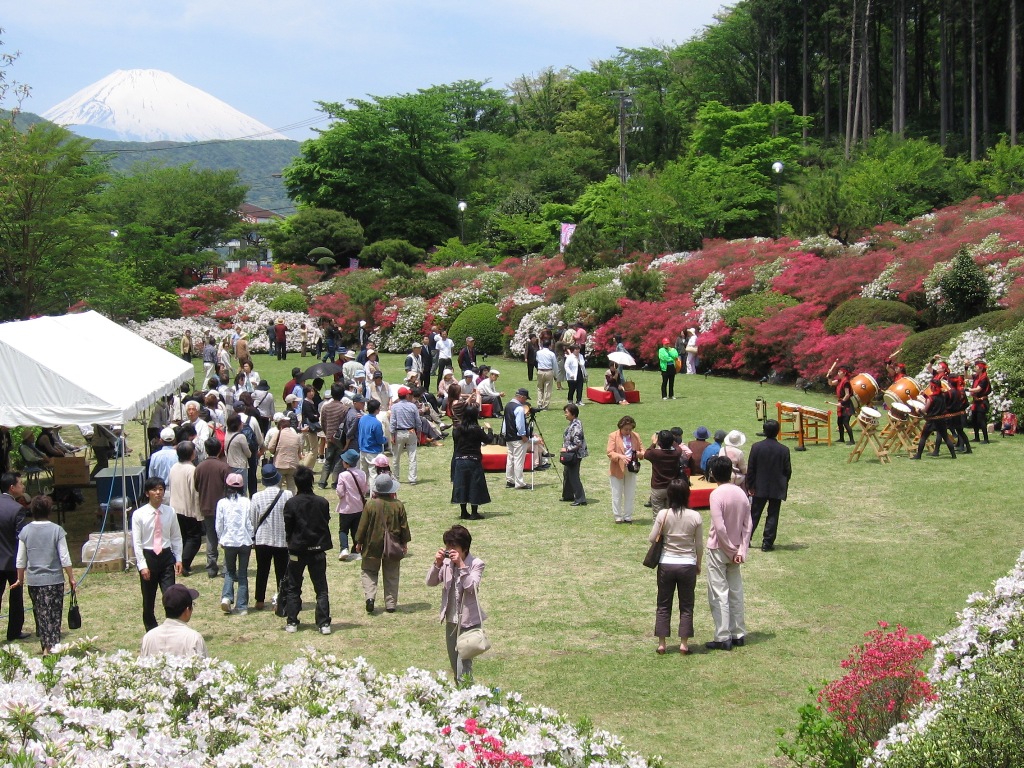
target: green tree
402 251
965 289
51 238
396 163
167 219
294 238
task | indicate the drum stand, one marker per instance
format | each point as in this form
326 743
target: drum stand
896 434
868 434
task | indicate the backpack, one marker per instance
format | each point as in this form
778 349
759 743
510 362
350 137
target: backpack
340 436
250 437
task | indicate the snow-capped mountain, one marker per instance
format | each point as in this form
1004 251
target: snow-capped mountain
150 105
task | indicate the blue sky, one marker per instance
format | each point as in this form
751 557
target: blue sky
275 60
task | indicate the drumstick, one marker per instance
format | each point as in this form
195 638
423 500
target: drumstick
898 350
834 364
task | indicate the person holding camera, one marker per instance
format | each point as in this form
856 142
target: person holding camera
624 451
458 573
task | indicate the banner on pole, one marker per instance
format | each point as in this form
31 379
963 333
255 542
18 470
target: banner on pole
566 236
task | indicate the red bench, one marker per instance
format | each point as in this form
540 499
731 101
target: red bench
494 457
604 397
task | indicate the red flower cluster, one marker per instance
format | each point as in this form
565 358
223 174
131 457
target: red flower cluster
486 751
882 683
643 324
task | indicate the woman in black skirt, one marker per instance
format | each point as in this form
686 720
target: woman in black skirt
469 486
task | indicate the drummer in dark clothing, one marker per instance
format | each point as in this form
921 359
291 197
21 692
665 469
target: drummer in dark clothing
935 414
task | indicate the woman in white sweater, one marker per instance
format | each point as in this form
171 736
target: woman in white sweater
681 530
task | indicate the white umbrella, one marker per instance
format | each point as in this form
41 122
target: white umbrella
622 358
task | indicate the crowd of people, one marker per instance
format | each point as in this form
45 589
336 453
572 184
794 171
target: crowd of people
234 468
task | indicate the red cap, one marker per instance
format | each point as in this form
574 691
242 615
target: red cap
404 391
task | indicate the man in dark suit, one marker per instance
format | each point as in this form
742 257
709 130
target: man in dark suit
12 520
768 473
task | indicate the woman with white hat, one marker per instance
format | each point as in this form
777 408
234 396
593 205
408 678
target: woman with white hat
731 448
691 350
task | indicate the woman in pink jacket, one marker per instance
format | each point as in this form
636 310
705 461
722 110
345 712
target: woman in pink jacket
459 574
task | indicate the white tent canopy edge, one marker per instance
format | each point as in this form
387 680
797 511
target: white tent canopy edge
81 369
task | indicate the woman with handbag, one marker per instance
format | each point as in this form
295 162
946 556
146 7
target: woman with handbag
459 573
691 351
624 451
680 531
382 539
574 450
42 555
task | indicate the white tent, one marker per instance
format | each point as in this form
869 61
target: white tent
81 369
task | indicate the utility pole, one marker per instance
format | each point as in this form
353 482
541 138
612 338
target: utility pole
624 101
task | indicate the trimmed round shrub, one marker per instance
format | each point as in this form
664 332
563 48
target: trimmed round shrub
755 305
402 251
854 312
919 348
481 322
293 301
594 306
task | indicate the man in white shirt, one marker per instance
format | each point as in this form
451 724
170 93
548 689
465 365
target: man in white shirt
174 637
444 347
488 391
468 383
157 542
547 363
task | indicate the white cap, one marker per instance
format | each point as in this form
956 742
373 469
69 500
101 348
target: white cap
495 371
280 417
447 371
467 373
167 435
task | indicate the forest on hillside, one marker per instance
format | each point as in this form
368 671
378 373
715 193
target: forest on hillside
690 132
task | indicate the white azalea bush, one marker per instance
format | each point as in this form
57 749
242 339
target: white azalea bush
979 675
85 709
534 322
709 302
167 332
400 324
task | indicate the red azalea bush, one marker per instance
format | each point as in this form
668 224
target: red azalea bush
864 349
829 281
337 307
762 345
883 682
643 324
536 270
301 275
485 750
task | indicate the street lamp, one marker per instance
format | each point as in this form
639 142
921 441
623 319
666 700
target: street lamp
777 168
462 221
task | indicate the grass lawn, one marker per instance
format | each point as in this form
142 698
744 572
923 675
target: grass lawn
572 608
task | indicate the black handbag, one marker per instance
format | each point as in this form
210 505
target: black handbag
74 614
569 457
633 465
653 556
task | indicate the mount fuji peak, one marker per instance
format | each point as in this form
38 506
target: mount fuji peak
150 105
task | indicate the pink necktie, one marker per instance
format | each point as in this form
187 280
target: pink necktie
158 534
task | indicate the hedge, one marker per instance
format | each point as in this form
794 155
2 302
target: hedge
481 322
854 312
